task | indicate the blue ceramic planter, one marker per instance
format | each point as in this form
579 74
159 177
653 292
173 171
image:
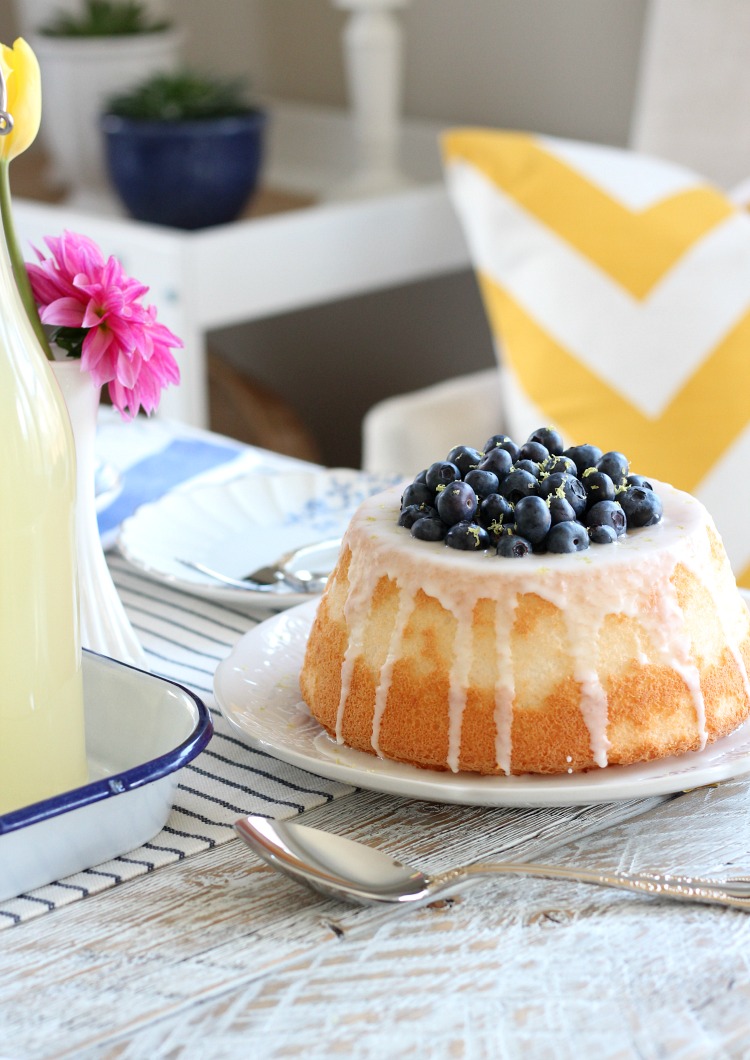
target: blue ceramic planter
189 174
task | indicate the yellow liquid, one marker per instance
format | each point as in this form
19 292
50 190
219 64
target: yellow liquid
42 739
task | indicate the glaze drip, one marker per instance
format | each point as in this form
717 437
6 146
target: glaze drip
504 685
458 685
386 672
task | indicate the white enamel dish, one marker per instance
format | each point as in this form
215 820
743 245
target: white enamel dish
257 688
140 731
242 524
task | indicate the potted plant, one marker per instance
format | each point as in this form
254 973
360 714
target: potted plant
86 55
184 149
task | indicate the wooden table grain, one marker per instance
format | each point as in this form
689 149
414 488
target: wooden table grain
217 956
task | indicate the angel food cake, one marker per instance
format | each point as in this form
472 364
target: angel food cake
539 611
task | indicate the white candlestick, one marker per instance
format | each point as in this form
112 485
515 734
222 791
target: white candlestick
373 56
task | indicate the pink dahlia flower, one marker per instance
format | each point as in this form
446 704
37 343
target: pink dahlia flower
96 313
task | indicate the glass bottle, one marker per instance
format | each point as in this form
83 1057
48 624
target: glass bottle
42 739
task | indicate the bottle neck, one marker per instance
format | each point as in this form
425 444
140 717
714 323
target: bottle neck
16 268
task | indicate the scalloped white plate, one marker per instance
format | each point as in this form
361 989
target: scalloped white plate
240 525
257 688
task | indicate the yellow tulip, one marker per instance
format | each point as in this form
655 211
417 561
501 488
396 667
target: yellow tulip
24 91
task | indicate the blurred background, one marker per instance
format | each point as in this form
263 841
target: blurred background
569 69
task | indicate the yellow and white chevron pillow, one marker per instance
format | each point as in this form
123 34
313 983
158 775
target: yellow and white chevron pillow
617 289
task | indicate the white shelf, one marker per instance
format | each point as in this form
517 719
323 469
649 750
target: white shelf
265 266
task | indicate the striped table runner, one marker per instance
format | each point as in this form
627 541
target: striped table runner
185 638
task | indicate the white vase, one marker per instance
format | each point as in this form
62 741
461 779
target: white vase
31 14
105 627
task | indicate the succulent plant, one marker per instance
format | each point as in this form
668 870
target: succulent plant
181 96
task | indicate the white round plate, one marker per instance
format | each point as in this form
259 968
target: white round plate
257 688
240 525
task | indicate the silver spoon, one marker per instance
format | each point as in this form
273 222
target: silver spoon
360 874
283 574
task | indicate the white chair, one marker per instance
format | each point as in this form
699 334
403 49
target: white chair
691 107
408 432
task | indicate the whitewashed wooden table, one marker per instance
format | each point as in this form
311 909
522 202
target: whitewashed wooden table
215 956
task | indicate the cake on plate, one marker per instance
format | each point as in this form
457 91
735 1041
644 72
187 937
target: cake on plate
529 610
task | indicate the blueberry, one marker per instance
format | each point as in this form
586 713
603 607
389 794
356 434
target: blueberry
575 494
470 537
417 493
429 528
499 461
456 503
638 480
567 537
533 451
533 519
615 465
603 534
410 514
607 513
513 546
549 438
642 506
560 510
584 456
494 510
552 484
482 482
532 466
464 457
567 486
598 486
518 484
441 473
559 463
422 476
501 441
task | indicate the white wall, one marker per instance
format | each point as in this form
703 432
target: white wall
565 66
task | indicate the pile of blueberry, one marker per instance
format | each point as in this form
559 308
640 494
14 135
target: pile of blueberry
537 497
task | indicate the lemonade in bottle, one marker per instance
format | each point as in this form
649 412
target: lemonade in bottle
42 749
42 739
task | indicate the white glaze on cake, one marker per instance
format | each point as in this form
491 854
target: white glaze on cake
585 586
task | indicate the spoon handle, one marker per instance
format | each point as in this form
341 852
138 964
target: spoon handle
284 581
734 892
234 583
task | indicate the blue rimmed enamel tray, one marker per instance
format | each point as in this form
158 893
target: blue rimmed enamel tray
140 731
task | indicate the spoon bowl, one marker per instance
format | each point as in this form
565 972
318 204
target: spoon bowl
357 873
332 864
